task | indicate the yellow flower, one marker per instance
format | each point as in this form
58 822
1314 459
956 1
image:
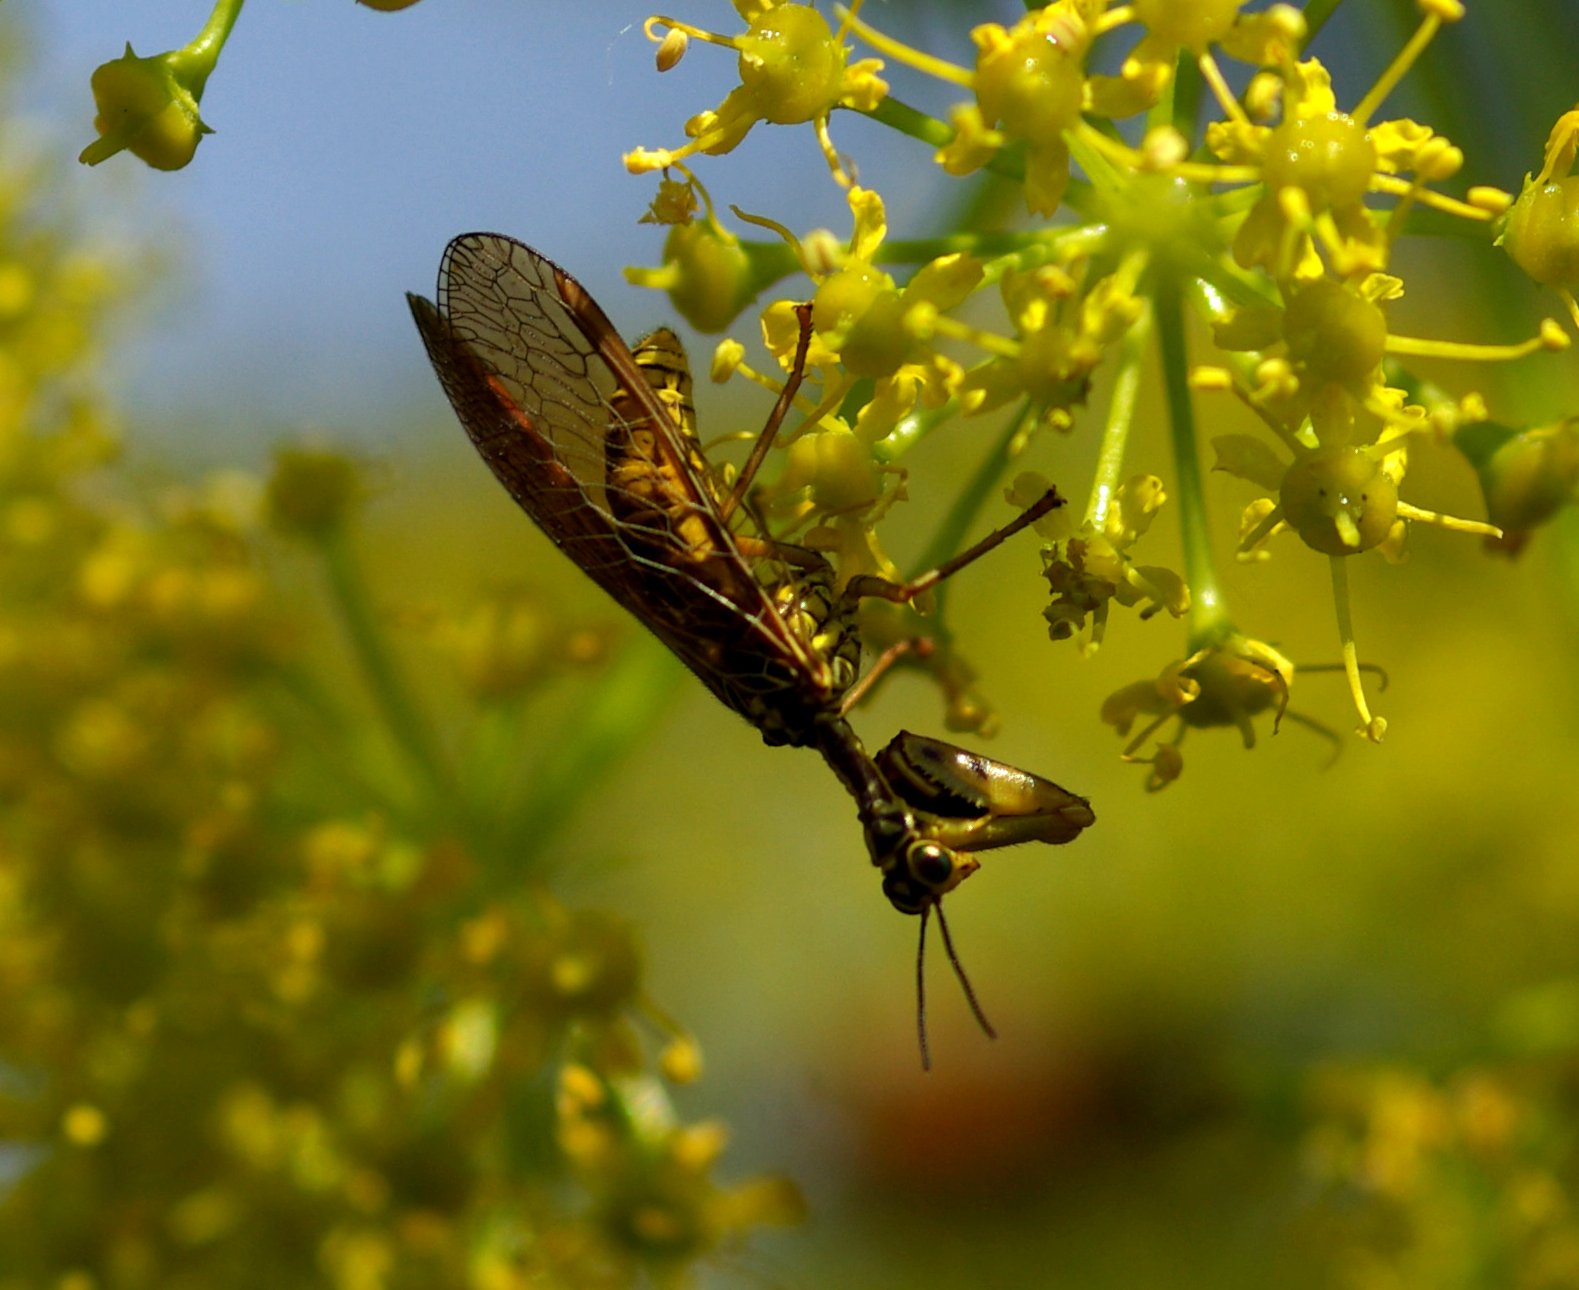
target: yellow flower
1340 492
649 1176
709 273
1089 567
864 326
511 642
1319 164
793 70
1173 29
1030 87
1224 684
873 327
1064 327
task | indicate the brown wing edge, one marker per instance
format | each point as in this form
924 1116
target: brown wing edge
517 453
525 461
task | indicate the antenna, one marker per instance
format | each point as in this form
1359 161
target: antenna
921 983
921 991
959 971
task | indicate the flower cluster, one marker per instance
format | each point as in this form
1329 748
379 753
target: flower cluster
1276 226
1391 1151
287 998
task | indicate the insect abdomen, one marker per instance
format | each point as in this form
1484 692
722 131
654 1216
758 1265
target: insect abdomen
648 467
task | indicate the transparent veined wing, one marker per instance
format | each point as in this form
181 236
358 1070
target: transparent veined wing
572 426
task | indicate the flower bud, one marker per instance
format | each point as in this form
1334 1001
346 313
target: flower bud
147 106
1542 232
588 964
311 491
1526 475
790 64
1029 82
1338 335
859 312
1194 26
1327 157
709 276
1339 501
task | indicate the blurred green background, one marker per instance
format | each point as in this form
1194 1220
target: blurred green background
1286 1023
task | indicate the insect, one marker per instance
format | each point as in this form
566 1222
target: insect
597 444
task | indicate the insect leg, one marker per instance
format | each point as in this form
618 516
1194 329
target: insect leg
759 450
918 646
866 584
765 548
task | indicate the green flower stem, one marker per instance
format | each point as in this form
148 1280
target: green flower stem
1008 162
1106 178
1120 417
624 706
1566 544
1371 727
311 702
394 701
911 430
1220 283
778 261
1209 621
950 536
898 115
923 250
194 61
500 742
1180 104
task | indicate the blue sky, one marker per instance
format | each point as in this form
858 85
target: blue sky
350 146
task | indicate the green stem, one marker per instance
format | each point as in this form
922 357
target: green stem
626 704
1120 417
310 702
1373 728
496 768
910 431
196 60
391 696
950 536
1008 162
1182 99
921 250
1062 244
1209 621
898 115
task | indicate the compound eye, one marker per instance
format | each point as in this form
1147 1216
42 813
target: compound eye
931 865
905 894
